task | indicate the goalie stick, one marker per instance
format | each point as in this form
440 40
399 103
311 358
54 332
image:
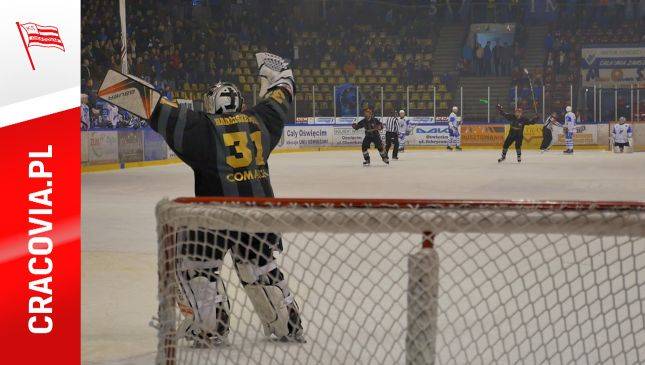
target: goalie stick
526 71
129 93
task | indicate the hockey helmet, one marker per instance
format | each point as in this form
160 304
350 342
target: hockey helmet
622 120
568 109
223 98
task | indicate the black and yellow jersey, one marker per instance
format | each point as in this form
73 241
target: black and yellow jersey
228 154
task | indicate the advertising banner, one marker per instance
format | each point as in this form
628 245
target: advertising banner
482 135
422 120
154 146
102 146
347 136
585 135
324 120
130 146
428 136
613 66
306 136
40 240
346 120
85 148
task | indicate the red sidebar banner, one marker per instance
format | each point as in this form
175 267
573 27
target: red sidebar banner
40 241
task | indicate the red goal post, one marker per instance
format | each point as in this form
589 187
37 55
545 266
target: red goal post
467 281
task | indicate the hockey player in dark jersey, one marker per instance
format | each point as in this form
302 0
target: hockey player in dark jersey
372 128
228 151
516 131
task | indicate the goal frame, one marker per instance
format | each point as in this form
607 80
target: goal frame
597 218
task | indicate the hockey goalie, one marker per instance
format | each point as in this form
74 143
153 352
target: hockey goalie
228 151
621 136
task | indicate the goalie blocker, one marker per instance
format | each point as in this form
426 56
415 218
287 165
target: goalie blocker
130 93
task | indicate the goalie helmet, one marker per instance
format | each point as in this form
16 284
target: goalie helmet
223 98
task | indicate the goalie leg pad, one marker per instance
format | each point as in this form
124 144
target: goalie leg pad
270 305
271 298
209 308
202 297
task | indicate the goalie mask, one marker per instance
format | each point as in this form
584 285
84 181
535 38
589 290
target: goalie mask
223 98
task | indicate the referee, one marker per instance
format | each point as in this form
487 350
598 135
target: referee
392 136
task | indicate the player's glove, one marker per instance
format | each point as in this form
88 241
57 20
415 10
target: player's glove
274 71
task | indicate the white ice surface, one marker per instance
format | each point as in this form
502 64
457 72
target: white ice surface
119 239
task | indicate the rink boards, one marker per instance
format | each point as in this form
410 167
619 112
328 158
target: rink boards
113 149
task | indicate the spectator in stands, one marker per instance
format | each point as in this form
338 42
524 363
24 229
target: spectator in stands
497 61
548 42
488 59
479 60
467 54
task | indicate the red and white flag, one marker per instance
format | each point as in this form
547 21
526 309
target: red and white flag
39 36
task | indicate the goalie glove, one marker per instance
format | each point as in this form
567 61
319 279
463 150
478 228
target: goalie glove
274 71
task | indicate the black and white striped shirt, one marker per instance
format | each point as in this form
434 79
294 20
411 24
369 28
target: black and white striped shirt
550 122
392 125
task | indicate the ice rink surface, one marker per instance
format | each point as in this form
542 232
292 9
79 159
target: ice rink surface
118 224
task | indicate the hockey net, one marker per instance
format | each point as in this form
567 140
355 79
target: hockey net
426 282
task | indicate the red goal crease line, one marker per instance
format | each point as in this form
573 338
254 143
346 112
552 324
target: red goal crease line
562 205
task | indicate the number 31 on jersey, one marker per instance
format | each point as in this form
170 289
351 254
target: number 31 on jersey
243 153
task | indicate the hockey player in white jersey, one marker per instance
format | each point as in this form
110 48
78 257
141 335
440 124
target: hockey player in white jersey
621 134
454 130
404 129
569 127
109 117
86 120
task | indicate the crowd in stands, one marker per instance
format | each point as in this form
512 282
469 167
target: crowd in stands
384 48
182 47
577 25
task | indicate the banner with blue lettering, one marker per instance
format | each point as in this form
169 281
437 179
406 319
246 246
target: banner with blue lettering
613 66
346 100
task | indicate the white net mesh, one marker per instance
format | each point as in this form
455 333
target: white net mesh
504 283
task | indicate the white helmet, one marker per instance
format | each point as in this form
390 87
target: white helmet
223 98
401 112
455 109
568 109
622 120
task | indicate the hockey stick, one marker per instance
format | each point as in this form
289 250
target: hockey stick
526 71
